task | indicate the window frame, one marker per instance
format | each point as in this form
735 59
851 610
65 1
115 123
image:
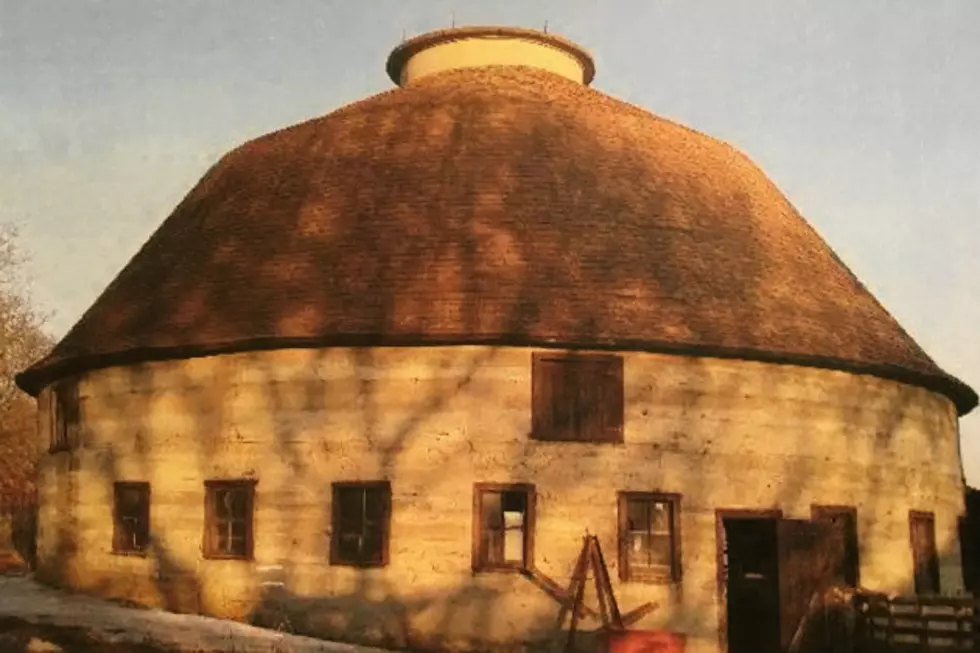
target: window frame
336 489
478 563
932 562
650 576
63 414
543 427
117 532
210 518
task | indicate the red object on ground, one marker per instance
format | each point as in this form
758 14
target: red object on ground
645 641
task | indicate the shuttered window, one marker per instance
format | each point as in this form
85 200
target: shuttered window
64 415
361 518
925 560
577 397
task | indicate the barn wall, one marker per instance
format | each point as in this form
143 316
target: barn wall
725 434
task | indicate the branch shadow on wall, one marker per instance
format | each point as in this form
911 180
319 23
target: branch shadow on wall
477 241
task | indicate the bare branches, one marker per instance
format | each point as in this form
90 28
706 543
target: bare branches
22 338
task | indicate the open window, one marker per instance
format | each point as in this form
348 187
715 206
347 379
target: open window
503 517
131 518
925 560
64 415
649 537
361 520
228 519
577 397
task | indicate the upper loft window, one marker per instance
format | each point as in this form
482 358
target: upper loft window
361 517
131 518
64 415
577 397
228 519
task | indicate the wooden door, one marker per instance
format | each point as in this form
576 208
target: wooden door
810 561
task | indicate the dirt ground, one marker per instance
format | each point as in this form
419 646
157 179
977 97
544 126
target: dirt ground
18 636
35 618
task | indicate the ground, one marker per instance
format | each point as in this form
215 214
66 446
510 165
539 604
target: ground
38 619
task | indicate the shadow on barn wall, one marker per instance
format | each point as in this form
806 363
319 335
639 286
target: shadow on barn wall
369 606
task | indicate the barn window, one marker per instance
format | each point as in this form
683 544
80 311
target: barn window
577 398
503 534
649 537
64 415
925 561
130 517
361 519
228 519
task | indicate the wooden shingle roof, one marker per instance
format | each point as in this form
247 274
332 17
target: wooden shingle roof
496 205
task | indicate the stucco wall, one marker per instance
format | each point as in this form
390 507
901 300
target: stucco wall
725 434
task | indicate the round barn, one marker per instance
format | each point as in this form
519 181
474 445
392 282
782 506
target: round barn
379 374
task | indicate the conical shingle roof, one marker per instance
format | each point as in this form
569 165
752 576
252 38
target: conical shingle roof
491 205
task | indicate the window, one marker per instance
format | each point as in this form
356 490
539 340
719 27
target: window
577 397
503 517
649 537
361 518
228 519
64 415
843 519
925 562
131 517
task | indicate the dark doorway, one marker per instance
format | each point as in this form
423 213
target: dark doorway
749 557
770 568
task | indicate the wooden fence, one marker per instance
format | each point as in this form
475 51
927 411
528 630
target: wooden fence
905 624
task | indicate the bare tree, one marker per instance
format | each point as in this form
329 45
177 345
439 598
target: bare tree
22 338
22 342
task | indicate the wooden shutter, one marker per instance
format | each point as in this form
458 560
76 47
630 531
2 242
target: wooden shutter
809 554
611 400
925 560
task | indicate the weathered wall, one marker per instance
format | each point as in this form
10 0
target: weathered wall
725 434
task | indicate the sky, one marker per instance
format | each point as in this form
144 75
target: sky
863 113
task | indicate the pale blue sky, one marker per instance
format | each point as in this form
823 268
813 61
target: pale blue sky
863 112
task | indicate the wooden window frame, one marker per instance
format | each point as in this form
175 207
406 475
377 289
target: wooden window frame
117 531
336 489
542 424
210 519
63 415
627 575
820 512
933 562
479 564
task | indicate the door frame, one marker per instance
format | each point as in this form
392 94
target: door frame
721 514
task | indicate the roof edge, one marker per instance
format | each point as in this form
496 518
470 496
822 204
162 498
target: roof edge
45 371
